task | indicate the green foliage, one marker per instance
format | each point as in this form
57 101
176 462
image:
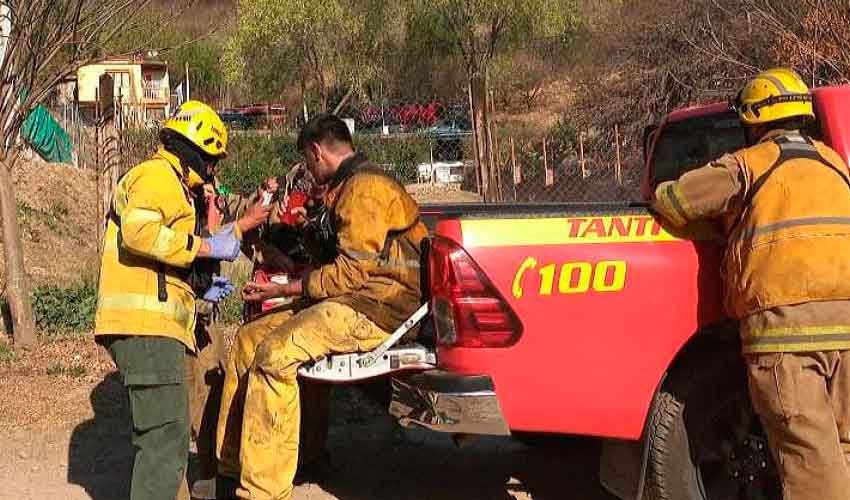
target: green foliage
254 157
481 29
65 309
57 369
7 355
399 155
53 219
280 43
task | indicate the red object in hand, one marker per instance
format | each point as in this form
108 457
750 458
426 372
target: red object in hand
295 200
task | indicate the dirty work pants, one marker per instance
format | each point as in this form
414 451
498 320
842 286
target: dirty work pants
204 380
271 421
152 369
314 398
803 401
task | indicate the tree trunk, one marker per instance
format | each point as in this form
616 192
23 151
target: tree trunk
17 281
483 143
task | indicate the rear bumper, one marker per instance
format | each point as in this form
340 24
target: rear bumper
446 402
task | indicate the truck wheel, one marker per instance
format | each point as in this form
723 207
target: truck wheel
705 443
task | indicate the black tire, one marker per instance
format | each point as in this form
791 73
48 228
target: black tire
704 441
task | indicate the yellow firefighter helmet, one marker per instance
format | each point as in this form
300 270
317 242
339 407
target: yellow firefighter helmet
202 126
773 95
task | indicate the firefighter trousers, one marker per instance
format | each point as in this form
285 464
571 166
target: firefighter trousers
152 369
268 441
314 398
803 401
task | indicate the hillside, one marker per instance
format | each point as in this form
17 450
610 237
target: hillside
56 212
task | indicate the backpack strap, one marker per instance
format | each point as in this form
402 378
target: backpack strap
793 147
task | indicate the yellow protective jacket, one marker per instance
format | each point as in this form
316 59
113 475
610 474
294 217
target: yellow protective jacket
786 207
377 235
155 239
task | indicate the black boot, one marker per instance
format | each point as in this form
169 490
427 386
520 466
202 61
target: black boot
217 488
313 470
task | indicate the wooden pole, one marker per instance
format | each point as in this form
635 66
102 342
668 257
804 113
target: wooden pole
617 148
479 178
498 160
516 171
582 163
550 176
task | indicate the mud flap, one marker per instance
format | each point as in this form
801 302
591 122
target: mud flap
622 464
622 467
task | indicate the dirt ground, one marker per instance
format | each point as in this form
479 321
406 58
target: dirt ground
64 435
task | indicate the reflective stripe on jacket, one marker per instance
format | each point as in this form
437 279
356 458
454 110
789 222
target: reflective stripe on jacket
155 235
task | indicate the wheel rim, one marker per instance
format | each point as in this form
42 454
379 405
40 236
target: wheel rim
732 456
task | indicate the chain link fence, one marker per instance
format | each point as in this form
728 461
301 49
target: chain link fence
564 166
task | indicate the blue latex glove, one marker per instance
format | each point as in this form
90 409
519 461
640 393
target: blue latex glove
224 245
221 288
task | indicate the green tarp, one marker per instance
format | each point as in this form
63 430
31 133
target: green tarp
46 136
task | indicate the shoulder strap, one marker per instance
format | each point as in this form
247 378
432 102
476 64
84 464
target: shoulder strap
354 168
793 147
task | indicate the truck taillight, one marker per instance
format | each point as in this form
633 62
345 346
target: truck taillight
468 310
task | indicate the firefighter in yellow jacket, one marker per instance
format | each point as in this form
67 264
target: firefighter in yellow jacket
151 272
784 203
367 286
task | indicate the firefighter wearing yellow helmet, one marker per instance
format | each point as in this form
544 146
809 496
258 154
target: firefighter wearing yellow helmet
784 204
155 263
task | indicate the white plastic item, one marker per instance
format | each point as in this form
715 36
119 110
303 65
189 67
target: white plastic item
280 279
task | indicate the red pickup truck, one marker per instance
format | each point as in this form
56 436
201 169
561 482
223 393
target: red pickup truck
595 319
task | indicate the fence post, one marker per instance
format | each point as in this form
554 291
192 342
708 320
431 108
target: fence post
582 163
550 176
516 171
619 172
498 163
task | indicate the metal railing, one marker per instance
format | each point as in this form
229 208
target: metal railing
155 92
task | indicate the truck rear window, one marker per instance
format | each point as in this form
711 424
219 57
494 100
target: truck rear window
692 143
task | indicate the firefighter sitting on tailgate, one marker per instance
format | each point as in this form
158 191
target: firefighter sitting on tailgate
366 289
784 202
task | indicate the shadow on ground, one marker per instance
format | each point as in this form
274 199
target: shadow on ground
100 453
371 458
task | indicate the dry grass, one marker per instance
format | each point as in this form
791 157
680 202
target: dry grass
50 384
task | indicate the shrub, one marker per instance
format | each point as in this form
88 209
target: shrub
253 157
58 369
63 309
398 154
7 355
